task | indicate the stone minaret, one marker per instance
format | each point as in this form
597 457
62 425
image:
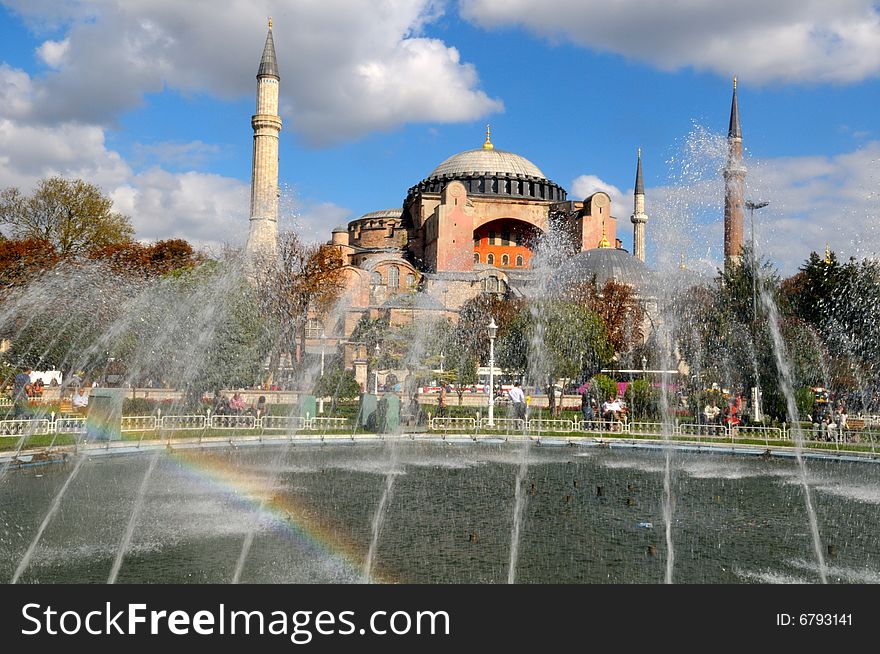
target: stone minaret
734 183
639 217
263 236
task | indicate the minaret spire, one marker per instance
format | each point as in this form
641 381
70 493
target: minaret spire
263 237
734 188
639 217
268 62
734 131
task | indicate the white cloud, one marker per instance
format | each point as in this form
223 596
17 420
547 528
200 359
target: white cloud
813 200
314 221
16 92
783 40
28 153
54 53
208 210
585 185
348 67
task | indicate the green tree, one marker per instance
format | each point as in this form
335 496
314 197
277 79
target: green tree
73 215
641 399
337 384
555 339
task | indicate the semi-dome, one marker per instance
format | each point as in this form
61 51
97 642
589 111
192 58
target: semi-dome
487 161
605 264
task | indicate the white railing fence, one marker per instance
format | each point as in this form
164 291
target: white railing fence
164 426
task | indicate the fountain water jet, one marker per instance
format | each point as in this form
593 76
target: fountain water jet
132 520
53 509
786 387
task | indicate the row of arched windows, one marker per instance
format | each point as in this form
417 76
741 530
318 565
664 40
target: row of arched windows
393 278
505 259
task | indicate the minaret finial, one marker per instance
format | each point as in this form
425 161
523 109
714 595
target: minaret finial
604 242
734 82
827 253
681 261
270 22
488 144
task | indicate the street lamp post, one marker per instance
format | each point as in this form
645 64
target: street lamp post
751 206
442 356
644 366
376 383
493 331
323 347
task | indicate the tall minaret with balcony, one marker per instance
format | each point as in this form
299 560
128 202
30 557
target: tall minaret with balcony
639 217
734 189
263 237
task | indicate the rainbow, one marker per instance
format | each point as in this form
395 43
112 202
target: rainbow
285 514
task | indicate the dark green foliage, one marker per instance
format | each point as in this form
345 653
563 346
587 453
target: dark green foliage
605 387
642 400
337 384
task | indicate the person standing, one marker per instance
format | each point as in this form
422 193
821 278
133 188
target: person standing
587 409
551 399
518 399
21 393
441 402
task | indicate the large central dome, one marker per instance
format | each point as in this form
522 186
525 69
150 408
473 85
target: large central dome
487 161
489 172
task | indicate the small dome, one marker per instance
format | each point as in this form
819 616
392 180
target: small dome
340 228
487 161
605 264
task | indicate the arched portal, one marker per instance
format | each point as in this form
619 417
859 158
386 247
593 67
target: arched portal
506 240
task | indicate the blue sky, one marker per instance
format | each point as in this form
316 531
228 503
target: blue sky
151 99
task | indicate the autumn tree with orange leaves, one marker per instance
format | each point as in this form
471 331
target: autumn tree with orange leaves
147 261
619 308
305 280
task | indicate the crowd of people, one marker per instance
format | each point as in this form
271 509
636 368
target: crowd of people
236 406
714 420
830 423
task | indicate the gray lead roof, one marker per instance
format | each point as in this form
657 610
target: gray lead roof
734 130
640 186
269 64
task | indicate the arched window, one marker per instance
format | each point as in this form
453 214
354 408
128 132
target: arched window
410 280
476 257
377 279
505 260
394 277
491 284
490 259
519 261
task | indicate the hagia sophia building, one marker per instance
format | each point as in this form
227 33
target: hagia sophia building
470 227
